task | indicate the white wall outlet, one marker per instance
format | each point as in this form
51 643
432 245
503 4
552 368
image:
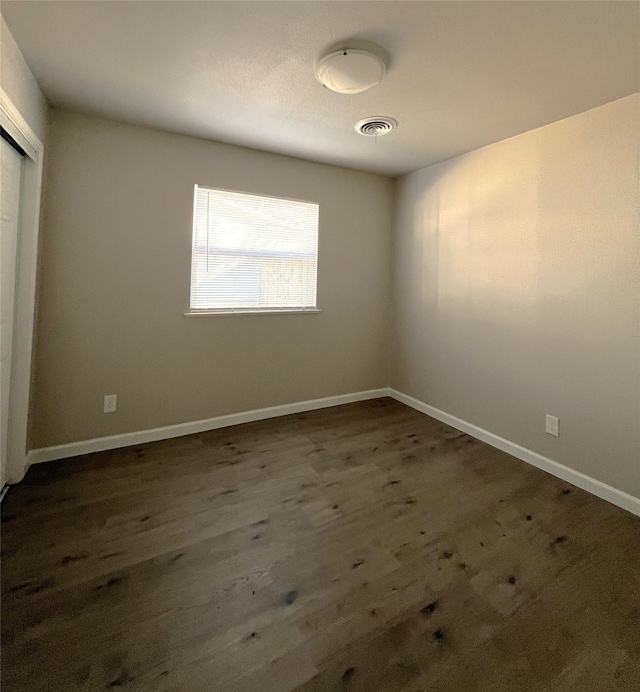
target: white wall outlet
110 403
553 426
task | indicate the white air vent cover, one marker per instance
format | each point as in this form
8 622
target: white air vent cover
376 126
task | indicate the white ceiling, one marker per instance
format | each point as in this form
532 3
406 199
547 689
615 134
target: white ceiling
461 74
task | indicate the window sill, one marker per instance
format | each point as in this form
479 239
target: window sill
215 313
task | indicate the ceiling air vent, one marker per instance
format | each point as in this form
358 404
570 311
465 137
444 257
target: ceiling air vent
376 126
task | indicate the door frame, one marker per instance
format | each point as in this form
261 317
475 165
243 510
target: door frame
24 312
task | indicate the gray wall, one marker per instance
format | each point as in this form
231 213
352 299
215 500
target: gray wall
517 293
115 284
516 288
19 84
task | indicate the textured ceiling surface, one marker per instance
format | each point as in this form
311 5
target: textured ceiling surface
461 74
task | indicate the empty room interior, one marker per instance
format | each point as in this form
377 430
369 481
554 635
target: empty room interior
320 346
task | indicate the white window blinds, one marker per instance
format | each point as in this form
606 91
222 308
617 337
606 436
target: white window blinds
253 253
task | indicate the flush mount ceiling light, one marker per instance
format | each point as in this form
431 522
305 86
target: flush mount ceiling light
350 71
377 126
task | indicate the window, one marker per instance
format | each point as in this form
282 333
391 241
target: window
253 253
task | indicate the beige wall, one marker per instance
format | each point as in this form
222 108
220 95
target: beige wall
19 84
517 291
115 284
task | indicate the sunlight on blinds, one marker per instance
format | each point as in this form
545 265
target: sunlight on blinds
253 253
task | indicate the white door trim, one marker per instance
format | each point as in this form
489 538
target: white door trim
26 273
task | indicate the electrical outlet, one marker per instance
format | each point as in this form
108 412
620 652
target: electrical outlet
553 426
110 403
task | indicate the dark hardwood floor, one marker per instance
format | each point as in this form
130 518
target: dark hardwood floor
363 547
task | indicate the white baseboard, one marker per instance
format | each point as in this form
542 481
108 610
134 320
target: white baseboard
591 485
100 444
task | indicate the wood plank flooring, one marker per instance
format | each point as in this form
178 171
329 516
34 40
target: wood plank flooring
364 547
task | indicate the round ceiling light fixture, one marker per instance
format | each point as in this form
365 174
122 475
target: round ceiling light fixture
350 71
377 126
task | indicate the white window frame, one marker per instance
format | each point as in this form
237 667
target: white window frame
205 312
